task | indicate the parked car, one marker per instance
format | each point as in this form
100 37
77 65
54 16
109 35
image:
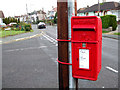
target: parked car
41 25
12 23
3 25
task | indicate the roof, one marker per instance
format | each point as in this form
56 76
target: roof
55 9
1 14
41 12
103 6
17 16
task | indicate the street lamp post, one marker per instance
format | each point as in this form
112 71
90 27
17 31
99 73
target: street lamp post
98 8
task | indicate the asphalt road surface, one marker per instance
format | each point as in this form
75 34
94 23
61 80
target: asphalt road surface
32 63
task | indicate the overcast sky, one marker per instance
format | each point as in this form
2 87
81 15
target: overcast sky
18 7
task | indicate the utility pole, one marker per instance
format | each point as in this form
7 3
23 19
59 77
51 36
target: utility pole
65 11
63 46
75 7
27 12
98 8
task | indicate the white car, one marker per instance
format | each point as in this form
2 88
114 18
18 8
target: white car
12 23
3 25
41 25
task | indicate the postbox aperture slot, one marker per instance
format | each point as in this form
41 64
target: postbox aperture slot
83 29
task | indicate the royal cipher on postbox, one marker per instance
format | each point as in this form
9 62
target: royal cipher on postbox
86 39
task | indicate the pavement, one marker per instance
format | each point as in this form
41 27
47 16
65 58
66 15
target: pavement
110 34
31 63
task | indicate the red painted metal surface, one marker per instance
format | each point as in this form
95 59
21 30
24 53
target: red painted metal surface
61 40
63 62
86 30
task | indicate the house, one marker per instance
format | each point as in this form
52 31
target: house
1 16
23 18
17 17
33 16
37 15
41 15
51 13
106 8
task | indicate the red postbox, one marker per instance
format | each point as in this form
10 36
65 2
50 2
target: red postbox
86 42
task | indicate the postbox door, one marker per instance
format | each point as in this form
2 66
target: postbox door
84 61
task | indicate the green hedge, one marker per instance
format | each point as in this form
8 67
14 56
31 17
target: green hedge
27 27
109 20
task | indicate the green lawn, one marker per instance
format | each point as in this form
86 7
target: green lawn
117 33
105 31
11 33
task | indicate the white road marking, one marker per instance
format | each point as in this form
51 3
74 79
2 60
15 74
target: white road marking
103 87
50 39
111 69
54 59
19 39
21 49
0 42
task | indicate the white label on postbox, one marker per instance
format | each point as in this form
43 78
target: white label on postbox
84 58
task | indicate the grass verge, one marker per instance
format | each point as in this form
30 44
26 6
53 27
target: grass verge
117 33
11 33
105 31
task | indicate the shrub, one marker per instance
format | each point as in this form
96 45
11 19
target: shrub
105 21
10 19
28 27
109 20
113 22
55 18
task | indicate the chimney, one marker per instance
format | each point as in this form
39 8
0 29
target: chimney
52 7
104 1
43 9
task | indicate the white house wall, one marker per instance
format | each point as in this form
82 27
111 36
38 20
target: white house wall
1 20
112 12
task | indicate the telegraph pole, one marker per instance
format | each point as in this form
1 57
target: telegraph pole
75 7
63 70
65 11
27 12
98 8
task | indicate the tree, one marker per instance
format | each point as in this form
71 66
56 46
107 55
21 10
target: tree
18 20
55 18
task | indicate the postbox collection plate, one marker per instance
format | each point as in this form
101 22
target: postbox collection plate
84 58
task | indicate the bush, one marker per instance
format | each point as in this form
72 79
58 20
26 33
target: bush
105 21
28 27
55 18
109 20
10 19
113 22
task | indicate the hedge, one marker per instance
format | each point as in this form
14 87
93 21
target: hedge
109 20
27 27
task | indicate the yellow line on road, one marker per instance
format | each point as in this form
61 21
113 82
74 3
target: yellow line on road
25 38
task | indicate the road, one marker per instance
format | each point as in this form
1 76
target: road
32 63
